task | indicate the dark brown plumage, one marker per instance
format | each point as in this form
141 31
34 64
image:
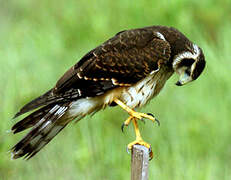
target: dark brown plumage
140 59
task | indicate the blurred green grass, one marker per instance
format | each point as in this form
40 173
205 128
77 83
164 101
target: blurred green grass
39 40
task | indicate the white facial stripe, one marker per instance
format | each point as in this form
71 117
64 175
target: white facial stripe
161 36
196 50
187 55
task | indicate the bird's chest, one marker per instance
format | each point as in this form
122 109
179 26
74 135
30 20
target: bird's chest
143 91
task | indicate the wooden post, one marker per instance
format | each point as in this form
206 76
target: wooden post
139 163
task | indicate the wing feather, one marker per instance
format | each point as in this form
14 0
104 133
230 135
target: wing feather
123 60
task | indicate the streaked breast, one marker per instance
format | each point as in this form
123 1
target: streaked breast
143 91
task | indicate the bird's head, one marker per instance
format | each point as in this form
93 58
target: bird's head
189 65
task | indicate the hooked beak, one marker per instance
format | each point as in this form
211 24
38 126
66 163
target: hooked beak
184 79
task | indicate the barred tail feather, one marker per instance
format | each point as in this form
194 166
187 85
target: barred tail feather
49 98
48 121
43 131
31 120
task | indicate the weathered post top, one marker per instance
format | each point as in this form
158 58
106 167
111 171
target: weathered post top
139 163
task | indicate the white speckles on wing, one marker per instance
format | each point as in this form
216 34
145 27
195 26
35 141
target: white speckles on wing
161 36
114 81
151 73
80 93
79 76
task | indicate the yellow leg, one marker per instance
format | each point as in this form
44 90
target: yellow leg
126 123
139 139
133 113
133 117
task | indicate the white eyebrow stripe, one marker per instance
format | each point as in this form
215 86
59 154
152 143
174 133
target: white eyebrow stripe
196 50
187 55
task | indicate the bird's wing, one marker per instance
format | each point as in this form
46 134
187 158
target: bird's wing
123 60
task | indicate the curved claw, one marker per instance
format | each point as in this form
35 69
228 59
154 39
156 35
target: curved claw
150 149
158 122
150 156
150 114
150 153
122 127
127 150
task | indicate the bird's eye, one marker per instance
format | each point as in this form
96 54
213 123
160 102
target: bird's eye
188 72
186 62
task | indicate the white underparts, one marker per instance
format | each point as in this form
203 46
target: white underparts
139 94
143 91
84 106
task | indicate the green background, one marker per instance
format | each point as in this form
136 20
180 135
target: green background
40 40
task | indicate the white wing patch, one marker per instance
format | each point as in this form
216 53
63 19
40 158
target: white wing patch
161 36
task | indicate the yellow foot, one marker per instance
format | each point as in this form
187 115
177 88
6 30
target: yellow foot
126 123
139 116
139 142
142 143
134 114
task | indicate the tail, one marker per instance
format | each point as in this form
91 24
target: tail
50 98
54 113
47 122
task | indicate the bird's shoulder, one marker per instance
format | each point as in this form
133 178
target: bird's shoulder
122 60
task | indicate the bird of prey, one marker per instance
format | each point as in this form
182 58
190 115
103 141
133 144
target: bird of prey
127 70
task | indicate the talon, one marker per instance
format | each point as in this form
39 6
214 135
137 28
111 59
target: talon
150 156
126 123
150 114
158 122
150 153
122 127
150 149
134 116
127 149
